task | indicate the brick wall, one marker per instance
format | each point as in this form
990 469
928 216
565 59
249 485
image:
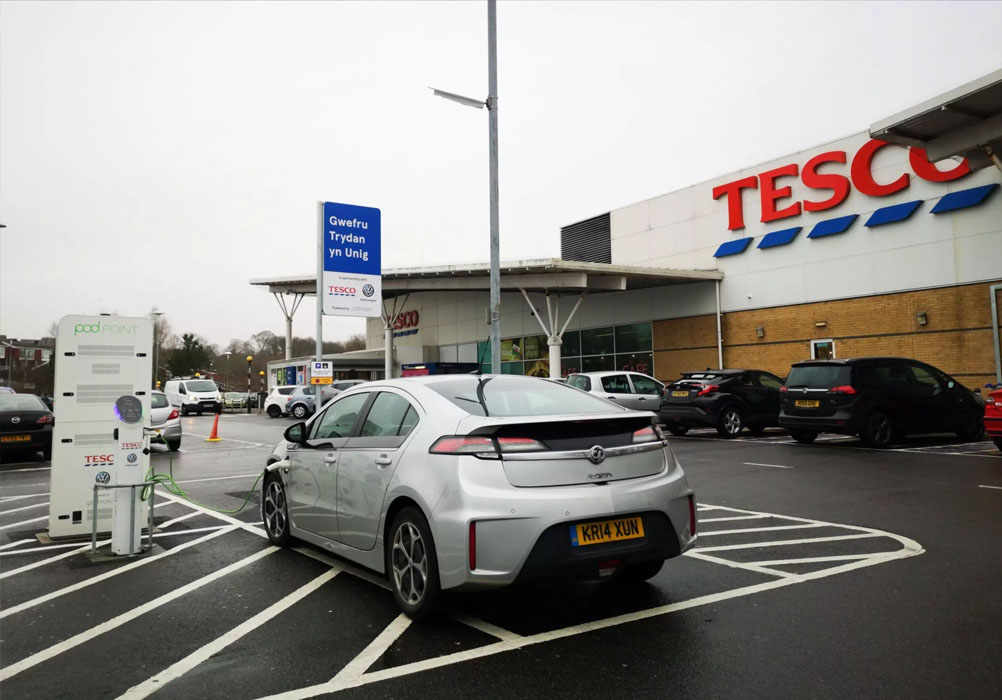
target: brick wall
957 337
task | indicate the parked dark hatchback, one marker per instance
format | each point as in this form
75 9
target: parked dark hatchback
727 399
881 399
25 425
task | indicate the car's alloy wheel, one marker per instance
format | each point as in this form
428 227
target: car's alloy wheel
973 428
275 511
299 411
676 429
274 411
729 423
412 565
878 430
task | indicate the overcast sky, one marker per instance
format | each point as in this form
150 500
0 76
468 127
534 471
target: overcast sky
163 154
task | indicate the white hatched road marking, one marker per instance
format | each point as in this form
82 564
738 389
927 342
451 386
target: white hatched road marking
4 499
16 543
759 464
15 510
736 517
102 543
57 649
785 543
376 648
760 529
757 568
985 486
178 669
24 522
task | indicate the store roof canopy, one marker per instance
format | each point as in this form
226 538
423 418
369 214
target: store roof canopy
961 122
532 275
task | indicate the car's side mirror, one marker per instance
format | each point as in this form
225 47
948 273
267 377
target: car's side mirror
296 433
977 391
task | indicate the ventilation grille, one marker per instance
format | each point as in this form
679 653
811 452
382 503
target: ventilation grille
93 439
106 368
106 351
587 241
101 393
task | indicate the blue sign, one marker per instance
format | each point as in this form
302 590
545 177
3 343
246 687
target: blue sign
351 239
352 282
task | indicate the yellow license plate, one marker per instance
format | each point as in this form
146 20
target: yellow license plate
807 404
606 531
15 438
680 393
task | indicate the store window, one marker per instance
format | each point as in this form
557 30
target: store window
598 363
642 362
571 344
598 341
511 350
534 347
635 337
823 349
511 368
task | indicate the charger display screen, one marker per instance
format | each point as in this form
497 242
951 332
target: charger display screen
129 409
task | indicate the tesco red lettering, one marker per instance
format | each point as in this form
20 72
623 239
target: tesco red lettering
771 192
407 319
340 290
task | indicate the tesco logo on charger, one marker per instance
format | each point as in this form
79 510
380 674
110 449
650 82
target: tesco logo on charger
99 460
334 290
838 185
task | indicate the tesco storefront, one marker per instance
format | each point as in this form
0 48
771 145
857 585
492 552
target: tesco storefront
852 248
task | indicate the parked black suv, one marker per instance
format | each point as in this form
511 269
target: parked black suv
881 399
726 399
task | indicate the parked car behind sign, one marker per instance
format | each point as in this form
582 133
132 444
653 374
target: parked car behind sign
165 421
628 389
727 399
25 425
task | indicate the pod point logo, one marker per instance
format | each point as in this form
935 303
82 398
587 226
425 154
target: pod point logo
110 328
368 290
131 459
102 477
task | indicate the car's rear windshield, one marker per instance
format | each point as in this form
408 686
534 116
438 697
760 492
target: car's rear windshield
511 396
201 385
818 376
704 378
158 401
579 381
21 402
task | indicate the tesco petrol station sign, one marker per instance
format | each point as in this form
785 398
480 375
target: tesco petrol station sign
829 184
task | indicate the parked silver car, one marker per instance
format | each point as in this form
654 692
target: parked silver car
475 482
630 389
165 421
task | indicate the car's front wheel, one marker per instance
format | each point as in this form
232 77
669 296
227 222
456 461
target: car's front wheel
676 429
299 411
274 411
804 436
973 427
411 564
275 510
730 422
878 430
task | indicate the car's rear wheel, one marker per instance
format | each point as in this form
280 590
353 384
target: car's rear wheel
184 411
411 564
676 429
275 510
274 411
635 573
299 411
973 427
730 422
878 430
804 436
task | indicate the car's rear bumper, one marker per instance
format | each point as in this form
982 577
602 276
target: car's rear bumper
993 426
840 422
690 416
40 440
168 431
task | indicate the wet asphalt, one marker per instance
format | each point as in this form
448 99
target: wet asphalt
895 592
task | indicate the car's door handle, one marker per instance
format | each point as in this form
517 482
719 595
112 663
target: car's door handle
330 459
383 461
641 399
611 397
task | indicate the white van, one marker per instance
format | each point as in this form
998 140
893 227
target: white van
196 395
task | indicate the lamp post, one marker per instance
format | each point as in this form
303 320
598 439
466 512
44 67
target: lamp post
491 103
156 347
250 358
227 382
260 394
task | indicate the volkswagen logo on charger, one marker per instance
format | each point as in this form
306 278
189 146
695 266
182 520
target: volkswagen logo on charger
368 290
102 477
596 455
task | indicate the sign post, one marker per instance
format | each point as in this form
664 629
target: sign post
349 267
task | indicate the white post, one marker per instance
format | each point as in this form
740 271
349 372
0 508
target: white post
388 348
554 342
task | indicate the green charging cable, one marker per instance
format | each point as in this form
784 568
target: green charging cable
167 481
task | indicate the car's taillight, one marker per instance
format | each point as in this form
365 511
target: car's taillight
45 419
464 445
708 389
647 434
692 515
844 389
783 390
473 545
517 444
173 414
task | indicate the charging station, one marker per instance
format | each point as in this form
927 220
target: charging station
104 371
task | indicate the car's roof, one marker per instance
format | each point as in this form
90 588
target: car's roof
605 373
854 360
719 371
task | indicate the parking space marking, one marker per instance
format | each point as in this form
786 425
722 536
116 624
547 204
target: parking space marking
4 499
486 627
29 469
179 668
246 442
168 523
215 514
985 486
218 478
66 645
759 464
802 526
821 560
23 522
376 648
120 570
15 510
785 543
103 543
757 567
16 543
735 517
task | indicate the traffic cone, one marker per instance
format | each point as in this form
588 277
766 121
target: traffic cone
213 437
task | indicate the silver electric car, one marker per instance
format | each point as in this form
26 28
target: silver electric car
475 482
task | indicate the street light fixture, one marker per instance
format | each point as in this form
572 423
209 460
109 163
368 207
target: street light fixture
156 345
491 103
227 383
